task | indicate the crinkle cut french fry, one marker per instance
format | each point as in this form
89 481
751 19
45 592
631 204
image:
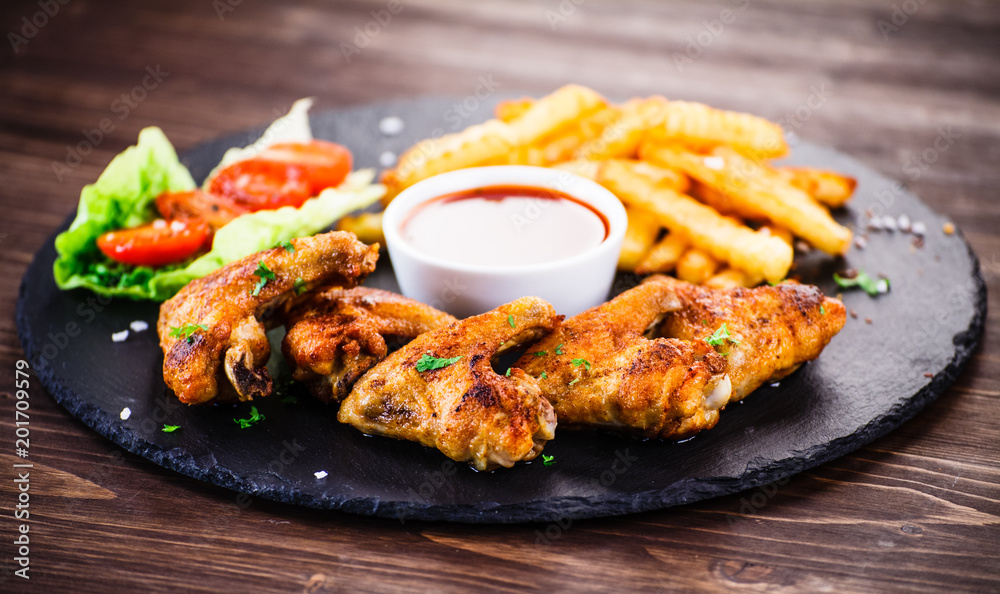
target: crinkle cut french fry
723 203
564 145
661 176
621 137
551 113
827 187
731 278
582 167
696 266
699 124
664 254
754 189
511 109
640 235
723 238
366 225
489 143
779 232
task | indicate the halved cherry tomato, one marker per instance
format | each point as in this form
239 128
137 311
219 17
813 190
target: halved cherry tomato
257 184
326 164
195 204
157 243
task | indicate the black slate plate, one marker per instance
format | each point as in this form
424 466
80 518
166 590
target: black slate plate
867 382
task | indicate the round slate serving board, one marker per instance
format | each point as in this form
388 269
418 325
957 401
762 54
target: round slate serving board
868 381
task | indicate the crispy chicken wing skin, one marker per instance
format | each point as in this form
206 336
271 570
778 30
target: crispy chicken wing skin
337 335
599 370
465 409
774 329
236 318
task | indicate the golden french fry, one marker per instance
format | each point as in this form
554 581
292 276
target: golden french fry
755 192
582 167
779 232
699 125
730 278
664 254
366 225
551 113
642 231
511 109
621 138
661 176
719 236
827 187
526 155
723 203
489 143
565 144
696 266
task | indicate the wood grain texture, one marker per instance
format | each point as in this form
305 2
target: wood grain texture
918 510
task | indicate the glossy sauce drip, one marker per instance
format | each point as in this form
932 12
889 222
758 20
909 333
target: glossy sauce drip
504 226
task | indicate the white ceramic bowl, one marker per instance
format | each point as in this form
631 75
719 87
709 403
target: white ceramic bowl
571 284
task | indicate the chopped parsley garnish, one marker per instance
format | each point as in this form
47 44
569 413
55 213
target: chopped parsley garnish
265 275
548 460
170 428
299 286
187 331
720 335
545 375
508 372
579 362
255 417
822 310
574 381
541 353
428 363
559 350
863 281
510 320
289 247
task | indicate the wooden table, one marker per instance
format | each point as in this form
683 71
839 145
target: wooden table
917 510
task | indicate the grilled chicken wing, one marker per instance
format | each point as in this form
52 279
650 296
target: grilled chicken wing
337 335
773 330
674 385
221 318
599 370
462 408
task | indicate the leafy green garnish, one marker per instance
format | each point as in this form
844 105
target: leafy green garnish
541 353
255 417
559 347
508 372
187 331
548 460
720 335
822 310
545 375
289 247
510 320
428 363
299 286
579 362
265 275
863 281
574 381
170 428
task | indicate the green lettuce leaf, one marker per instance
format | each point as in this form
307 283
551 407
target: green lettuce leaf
124 195
121 198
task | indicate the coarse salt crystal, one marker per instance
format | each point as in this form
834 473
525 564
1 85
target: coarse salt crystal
159 224
919 228
126 413
715 163
139 326
321 474
875 224
889 223
390 126
860 242
387 159
904 223
120 336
